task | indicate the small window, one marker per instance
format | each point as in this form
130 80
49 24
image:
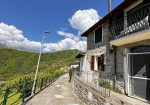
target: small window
98 35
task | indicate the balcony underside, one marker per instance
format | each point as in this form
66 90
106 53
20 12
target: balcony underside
132 38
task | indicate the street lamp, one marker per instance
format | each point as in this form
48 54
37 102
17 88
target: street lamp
37 67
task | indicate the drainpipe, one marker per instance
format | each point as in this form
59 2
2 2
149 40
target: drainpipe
115 65
114 49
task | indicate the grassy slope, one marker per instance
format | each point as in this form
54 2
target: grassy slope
16 64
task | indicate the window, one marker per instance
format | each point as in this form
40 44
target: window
98 35
92 62
100 63
97 63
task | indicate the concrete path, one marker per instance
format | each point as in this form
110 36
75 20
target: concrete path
59 93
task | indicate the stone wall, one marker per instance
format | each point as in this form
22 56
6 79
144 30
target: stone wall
90 41
91 38
87 95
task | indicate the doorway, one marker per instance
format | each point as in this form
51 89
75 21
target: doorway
139 75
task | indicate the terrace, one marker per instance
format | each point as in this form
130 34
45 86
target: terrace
131 28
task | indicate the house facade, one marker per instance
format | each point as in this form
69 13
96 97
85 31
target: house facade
119 45
94 59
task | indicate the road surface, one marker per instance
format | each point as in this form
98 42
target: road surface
59 93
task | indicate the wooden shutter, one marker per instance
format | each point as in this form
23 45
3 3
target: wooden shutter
101 65
92 62
102 62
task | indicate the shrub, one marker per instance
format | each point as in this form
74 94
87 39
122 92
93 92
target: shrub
25 87
104 83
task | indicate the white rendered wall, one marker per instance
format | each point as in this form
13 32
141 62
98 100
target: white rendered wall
85 61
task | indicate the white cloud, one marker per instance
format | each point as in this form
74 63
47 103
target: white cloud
12 37
83 19
68 35
65 44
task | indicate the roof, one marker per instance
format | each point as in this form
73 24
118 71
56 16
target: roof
79 55
119 8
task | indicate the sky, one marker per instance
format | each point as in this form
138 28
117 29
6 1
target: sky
23 22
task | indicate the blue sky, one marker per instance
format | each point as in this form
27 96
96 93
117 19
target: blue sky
33 17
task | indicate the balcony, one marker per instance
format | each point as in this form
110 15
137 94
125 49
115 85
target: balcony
132 28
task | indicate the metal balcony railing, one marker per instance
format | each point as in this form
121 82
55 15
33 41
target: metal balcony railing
136 21
95 80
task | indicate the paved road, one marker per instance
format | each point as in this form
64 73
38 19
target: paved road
59 93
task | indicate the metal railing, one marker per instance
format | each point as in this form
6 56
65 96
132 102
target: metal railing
136 21
98 81
19 92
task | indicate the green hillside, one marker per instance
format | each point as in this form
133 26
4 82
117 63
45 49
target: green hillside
16 64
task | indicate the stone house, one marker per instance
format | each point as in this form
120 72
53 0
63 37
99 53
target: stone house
119 45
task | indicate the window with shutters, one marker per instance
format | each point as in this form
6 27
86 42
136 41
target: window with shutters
100 63
92 62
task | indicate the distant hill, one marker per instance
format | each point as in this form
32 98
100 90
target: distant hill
14 63
1 45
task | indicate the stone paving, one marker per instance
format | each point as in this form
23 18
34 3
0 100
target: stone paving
59 93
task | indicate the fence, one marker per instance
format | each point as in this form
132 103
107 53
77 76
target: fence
138 20
21 91
98 81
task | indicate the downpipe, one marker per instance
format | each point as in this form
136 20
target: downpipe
115 66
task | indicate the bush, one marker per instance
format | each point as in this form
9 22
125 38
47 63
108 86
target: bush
25 87
104 83
107 85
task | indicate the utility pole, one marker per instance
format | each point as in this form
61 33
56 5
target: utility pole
38 63
109 5
114 47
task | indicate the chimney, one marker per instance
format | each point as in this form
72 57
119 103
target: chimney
109 5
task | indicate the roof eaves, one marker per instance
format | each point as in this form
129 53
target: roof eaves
80 55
